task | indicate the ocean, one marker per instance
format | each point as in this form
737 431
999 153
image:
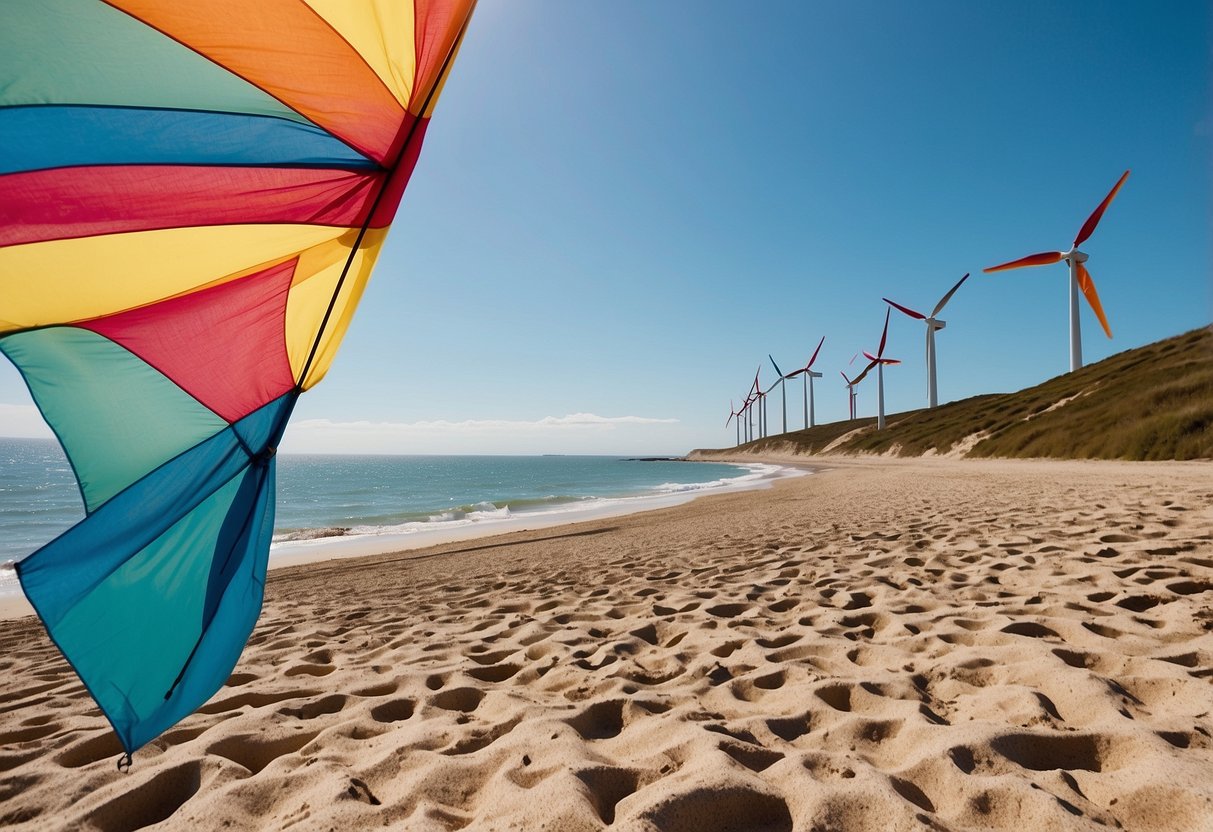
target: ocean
359 497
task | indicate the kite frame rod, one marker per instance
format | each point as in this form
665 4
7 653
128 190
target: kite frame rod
349 261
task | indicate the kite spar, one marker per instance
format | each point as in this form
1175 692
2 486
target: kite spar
192 198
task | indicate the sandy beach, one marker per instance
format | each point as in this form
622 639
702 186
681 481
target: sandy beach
883 645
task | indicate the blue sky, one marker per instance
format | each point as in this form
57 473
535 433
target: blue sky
622 207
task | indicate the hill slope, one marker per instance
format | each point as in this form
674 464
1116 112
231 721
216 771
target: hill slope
1153 402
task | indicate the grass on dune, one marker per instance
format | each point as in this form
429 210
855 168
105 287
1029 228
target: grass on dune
1154 402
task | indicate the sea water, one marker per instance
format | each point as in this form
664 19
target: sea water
325 497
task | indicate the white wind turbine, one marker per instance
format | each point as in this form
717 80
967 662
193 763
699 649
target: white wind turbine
933 325
734 416
851 384
747 409
760 397
782 390
1080 278
879 361
808 373
850 395
753 408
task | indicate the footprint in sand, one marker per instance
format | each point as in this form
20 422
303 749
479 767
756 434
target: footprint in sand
257 751
253 700
725 805
600 721
396 710
607 786
321 707
464 700
154 801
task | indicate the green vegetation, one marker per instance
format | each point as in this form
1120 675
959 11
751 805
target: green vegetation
1154 402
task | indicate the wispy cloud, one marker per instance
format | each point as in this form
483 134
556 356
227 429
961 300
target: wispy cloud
571 433
571 421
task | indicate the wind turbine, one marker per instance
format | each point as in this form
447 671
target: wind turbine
1080 278
879 361
933 324
807 371
733 415
783 391
753 398
850 394
761 396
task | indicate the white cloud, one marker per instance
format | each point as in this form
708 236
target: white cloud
572 420
23 421
551 434
571 433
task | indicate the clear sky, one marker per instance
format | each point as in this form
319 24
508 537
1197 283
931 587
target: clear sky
622 207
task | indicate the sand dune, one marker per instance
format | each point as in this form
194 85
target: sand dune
891 645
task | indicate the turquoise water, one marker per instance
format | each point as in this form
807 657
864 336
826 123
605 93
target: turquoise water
321 496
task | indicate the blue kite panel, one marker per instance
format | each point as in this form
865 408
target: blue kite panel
153 596
55 136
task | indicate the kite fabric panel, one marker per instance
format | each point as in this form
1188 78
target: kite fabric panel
192 198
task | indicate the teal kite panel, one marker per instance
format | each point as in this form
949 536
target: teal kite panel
87 52
153 596
116 416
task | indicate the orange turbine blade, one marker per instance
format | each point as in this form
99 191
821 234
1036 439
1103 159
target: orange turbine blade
1088 289
1042 259
1088 227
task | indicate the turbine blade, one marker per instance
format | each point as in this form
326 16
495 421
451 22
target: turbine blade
1088 227
864 374
884 336
890 361
869 356
853 357
814 358
844 377
944 300
1088 289
778 371
1042 259
905 309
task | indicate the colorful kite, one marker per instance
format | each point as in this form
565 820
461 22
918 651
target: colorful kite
192 196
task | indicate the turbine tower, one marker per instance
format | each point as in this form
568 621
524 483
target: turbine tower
850 396
1080 278
808 374
879 361
782 390
733 417
758 399
933 325
851 384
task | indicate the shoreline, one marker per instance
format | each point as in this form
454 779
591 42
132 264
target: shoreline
289 553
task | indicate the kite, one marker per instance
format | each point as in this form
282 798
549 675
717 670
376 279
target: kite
192 197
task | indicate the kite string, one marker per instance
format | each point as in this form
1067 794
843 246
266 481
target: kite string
408 140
